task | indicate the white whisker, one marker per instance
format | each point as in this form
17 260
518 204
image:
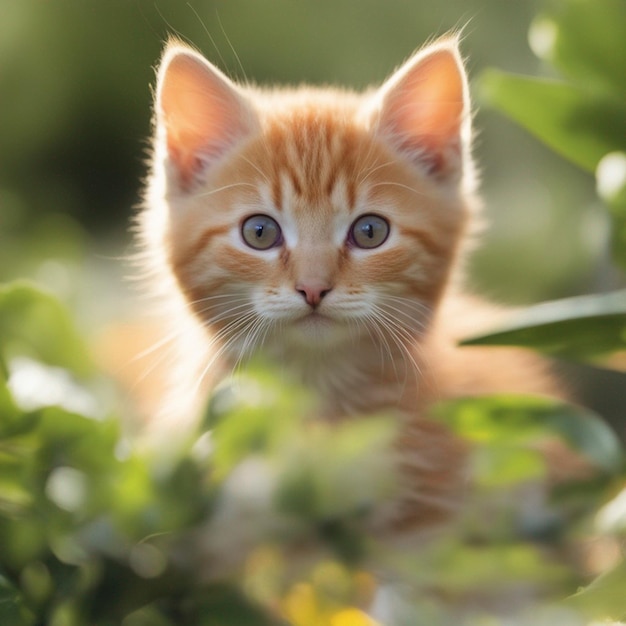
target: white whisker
401 186
224 342
204 194
263 175
374 168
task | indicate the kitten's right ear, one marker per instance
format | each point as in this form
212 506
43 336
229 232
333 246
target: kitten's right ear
200 112
423 109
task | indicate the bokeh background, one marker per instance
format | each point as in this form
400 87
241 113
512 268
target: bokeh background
75 94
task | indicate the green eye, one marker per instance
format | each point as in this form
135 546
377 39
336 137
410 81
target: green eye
369 231
261 232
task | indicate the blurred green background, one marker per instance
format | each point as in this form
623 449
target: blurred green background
75 78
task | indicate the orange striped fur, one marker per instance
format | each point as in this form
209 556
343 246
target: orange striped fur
364 329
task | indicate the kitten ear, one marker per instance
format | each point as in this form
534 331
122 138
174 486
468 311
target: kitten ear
423 109
199 110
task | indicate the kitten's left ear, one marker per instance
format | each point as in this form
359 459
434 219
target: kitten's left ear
423 109
199 111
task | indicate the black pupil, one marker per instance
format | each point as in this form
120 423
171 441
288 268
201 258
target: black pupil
368 229
259 231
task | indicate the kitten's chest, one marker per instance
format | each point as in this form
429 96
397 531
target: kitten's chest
351 382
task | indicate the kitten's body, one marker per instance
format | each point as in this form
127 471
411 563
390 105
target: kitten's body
364 328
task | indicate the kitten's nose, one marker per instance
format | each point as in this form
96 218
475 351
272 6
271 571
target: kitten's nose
313 293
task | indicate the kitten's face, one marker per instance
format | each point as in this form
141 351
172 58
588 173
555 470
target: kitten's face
310 219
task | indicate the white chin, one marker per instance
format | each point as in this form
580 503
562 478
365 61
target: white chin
317 330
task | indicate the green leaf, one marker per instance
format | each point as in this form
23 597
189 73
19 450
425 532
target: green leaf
250 416
9 413
332 471
519 420
575 122
476 568
226 605
147 616
611 186
36 323
604 598
586 41
582 328
12 610
504 464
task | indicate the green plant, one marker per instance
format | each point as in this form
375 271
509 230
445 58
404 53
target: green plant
95 530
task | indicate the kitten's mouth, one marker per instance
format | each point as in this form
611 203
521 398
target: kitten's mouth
315 317
315 322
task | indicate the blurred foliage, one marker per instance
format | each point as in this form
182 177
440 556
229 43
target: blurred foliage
260 518
587 328
582 116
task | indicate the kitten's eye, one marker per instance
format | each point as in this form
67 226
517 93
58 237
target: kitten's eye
369 231
261 232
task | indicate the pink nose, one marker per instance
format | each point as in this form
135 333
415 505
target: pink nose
312 293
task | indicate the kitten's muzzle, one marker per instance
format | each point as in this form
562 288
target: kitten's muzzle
313 293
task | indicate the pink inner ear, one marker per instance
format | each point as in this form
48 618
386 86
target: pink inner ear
201 110
424 107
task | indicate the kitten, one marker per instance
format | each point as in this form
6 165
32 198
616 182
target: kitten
325 230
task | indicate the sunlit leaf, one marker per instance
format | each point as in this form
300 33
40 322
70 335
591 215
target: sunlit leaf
503 465
587 41
221 604
578 124
10 415
35 323
467 568
336 470
611 518
604 598
524 419
12 610
23 541
14 496
147 616
611 186
252 414
584 328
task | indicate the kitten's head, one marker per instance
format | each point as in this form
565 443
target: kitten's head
314 217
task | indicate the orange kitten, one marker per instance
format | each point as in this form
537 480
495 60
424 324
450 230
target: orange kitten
324 230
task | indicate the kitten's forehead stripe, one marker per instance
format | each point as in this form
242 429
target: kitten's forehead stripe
277 193
310 151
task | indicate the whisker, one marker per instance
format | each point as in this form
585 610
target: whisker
378 328
218 296
228 313
403 338
404 318
252 339
230 45
235 329
374 168
157 361
157 345
208 33
263 175
402 186
204 194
